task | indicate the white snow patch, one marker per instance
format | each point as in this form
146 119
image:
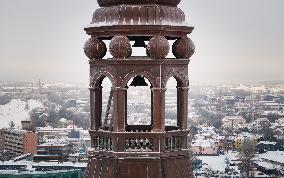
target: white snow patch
15 111
217 163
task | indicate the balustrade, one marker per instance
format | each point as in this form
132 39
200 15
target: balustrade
135 142
139 145
173 143
103 143
176 140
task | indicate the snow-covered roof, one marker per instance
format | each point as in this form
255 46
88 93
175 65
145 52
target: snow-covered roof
208 143
228 118
277 112
218 163
277 156
54 142
267 143
220 137
246 135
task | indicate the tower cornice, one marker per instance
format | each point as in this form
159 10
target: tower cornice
106 3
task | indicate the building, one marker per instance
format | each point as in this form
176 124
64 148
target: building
221 142
204 147
26 124
233 122
29 169
51 133
1 139
18 142
52 151
240 139
263 146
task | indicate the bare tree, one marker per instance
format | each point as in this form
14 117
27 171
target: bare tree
246 156
208 172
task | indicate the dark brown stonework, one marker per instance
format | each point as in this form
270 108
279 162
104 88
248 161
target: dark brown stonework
120 47
104 3
95 49
158 47
138 15
183 48
120 150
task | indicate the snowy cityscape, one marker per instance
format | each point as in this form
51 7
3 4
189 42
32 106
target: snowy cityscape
234 129
141 89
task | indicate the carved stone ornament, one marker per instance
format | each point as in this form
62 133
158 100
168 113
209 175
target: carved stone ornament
120 47
183 48
158 47
139 15
104 3
95 49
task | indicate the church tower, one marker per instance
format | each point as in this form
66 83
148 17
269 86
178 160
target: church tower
119 149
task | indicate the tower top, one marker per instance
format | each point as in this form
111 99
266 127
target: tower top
105 3
138 18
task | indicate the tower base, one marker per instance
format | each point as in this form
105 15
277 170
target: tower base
111 167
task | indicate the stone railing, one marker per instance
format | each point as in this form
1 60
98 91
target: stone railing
139 142
176 140
173 143
103 141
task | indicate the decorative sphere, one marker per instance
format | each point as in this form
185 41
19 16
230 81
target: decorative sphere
95 49
183 48
158 47
120 47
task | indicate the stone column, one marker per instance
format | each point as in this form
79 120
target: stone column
182 93
96 107
92 98
119 110
158 109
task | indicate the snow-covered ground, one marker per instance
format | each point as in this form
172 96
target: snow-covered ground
16 111
271 160
218 163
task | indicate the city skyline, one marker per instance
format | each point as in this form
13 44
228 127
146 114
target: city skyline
236 41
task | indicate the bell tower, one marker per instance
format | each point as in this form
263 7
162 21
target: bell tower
121 150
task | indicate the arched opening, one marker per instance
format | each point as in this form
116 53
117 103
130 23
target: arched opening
139 104
174 104
171 105
105 103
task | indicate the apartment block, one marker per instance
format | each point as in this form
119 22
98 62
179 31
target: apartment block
18 142
52 151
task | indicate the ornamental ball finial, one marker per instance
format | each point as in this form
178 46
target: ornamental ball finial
183 48
120 47
158 47
95 48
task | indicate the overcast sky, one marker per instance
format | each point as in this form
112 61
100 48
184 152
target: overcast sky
236 40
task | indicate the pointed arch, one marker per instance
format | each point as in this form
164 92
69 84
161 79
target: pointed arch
97 80
146 75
